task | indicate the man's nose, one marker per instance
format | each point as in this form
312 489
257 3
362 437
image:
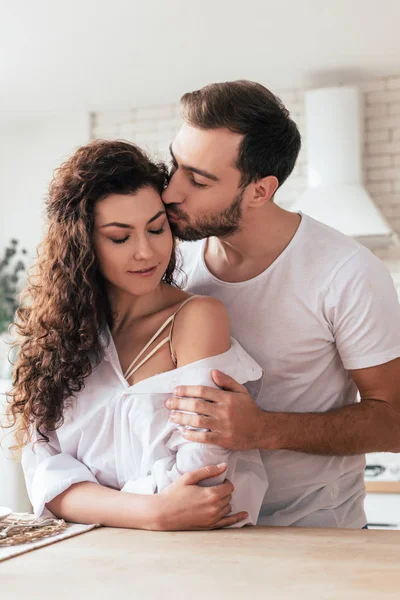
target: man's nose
166 196
171 194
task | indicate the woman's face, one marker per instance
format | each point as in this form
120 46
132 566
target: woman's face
131 236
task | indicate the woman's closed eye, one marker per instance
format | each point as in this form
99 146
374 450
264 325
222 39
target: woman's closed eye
121 241
125 239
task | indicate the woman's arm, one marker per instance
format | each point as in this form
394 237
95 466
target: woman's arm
202 332
60 483
184 505
89 502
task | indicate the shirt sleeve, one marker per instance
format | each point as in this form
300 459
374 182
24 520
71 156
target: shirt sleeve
49 472
363 310
245 470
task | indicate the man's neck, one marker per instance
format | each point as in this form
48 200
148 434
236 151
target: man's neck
247 253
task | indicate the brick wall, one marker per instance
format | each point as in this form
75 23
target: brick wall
155 127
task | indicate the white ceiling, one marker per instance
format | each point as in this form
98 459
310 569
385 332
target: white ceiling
108 54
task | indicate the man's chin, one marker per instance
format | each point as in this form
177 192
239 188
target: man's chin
180 231
175 229
185 234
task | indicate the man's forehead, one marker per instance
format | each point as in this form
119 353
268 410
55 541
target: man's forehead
210 147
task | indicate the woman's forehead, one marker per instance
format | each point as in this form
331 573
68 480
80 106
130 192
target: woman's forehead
139 206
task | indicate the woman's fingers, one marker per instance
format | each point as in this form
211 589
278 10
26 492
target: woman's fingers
225 510
194 477
217 499
231 520
224 489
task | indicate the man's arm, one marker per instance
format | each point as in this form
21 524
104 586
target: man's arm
372 425
236 422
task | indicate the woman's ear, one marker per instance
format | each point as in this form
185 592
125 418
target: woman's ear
263 190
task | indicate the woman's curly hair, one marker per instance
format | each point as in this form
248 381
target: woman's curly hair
64 307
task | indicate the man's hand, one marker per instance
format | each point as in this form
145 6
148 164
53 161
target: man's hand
235 421
231 415
184 505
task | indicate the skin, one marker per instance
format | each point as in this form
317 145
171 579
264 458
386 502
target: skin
131 232
262 233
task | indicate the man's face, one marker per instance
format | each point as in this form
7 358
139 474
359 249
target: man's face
204 197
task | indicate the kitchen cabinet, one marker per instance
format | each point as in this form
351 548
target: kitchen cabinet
382 483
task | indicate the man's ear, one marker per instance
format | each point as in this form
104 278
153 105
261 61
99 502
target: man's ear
263 190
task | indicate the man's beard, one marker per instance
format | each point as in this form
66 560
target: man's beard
223 224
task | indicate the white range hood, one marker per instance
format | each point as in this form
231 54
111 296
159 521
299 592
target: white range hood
335 194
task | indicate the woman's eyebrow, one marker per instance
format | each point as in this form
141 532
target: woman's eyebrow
127 226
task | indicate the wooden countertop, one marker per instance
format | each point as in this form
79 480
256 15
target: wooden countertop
250 563
382 487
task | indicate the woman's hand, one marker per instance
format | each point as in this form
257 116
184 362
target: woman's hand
184 505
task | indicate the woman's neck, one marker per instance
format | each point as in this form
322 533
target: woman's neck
128 307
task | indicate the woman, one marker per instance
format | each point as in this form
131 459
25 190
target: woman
105 338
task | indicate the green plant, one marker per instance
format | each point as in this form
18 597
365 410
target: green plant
11 267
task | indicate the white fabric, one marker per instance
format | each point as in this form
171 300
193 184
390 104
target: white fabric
120 436
325 305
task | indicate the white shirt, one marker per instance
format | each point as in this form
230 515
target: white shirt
120 436
325 306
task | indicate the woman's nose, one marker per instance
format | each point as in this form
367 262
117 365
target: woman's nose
143 250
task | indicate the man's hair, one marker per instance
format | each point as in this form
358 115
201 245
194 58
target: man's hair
271 140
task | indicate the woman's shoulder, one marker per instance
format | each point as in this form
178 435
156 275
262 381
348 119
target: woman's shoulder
190 307
201 329
201 311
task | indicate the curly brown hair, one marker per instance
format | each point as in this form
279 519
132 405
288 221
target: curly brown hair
64 307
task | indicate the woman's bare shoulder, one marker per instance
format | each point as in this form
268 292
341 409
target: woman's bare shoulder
201 329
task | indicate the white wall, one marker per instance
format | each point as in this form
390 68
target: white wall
31 147
102 54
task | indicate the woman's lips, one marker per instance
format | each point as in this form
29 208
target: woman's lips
144 272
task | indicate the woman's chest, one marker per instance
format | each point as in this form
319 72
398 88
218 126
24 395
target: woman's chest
143 354
119 436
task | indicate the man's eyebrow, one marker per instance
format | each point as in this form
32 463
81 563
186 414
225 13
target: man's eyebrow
194 169
126 226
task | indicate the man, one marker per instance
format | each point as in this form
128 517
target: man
317 311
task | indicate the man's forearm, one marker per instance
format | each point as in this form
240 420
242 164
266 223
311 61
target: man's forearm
368 426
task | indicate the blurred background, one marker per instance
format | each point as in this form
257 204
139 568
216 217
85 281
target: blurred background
76 71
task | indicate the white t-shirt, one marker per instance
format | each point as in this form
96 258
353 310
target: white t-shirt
326 305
